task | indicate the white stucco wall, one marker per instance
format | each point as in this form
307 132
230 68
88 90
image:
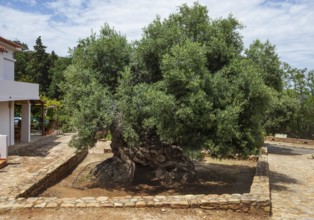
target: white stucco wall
1 65
11 91
7 64
7 120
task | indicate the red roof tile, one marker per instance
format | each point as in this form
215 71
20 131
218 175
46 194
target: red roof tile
2 49
8 42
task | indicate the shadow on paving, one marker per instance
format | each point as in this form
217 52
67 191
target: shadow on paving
288 150
39 148
278 180
281 150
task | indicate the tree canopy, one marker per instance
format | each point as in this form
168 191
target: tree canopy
186 82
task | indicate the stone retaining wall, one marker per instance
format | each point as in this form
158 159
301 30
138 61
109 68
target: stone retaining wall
290 140
58 173
257 201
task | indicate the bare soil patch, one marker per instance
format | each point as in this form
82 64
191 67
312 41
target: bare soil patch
215 177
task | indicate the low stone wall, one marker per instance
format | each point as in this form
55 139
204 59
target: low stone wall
260 186
257 201
290 140
58 173
248 203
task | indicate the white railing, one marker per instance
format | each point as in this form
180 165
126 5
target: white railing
12 90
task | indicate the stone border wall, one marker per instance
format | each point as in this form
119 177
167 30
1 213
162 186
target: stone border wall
290 140
257 201
60 172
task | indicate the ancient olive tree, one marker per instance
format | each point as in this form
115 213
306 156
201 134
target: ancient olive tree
184 86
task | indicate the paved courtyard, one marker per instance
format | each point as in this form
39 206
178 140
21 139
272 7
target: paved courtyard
291 173
292 182
28 163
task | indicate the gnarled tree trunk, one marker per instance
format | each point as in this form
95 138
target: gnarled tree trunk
169 164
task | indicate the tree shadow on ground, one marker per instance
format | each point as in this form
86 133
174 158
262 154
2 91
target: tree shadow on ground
215 177
281 150
278 181
288 150
211 179
39 148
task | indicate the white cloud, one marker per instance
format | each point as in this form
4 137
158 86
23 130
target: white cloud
287 24
20 25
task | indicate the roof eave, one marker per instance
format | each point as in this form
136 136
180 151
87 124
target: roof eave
10 44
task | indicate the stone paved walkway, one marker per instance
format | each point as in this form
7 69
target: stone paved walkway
27 164
292 182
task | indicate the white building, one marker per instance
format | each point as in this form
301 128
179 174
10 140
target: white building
12 91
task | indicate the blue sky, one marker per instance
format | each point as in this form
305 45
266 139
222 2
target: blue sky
289 24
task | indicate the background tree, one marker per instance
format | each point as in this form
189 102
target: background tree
39 66
265 56
56 74
22 61
299 86
282 108
24 45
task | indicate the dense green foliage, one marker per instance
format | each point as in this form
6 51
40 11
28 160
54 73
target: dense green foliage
265 57
220 40
105 55
186 82
91 81
299 85
56 75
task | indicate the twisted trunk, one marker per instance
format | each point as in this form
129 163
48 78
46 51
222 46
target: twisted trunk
168 162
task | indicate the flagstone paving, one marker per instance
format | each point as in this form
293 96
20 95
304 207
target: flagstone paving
291 173
291 182
27 164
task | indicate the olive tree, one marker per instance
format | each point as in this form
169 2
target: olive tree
184 86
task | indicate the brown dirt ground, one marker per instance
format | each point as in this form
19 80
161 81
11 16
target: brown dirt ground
215 177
